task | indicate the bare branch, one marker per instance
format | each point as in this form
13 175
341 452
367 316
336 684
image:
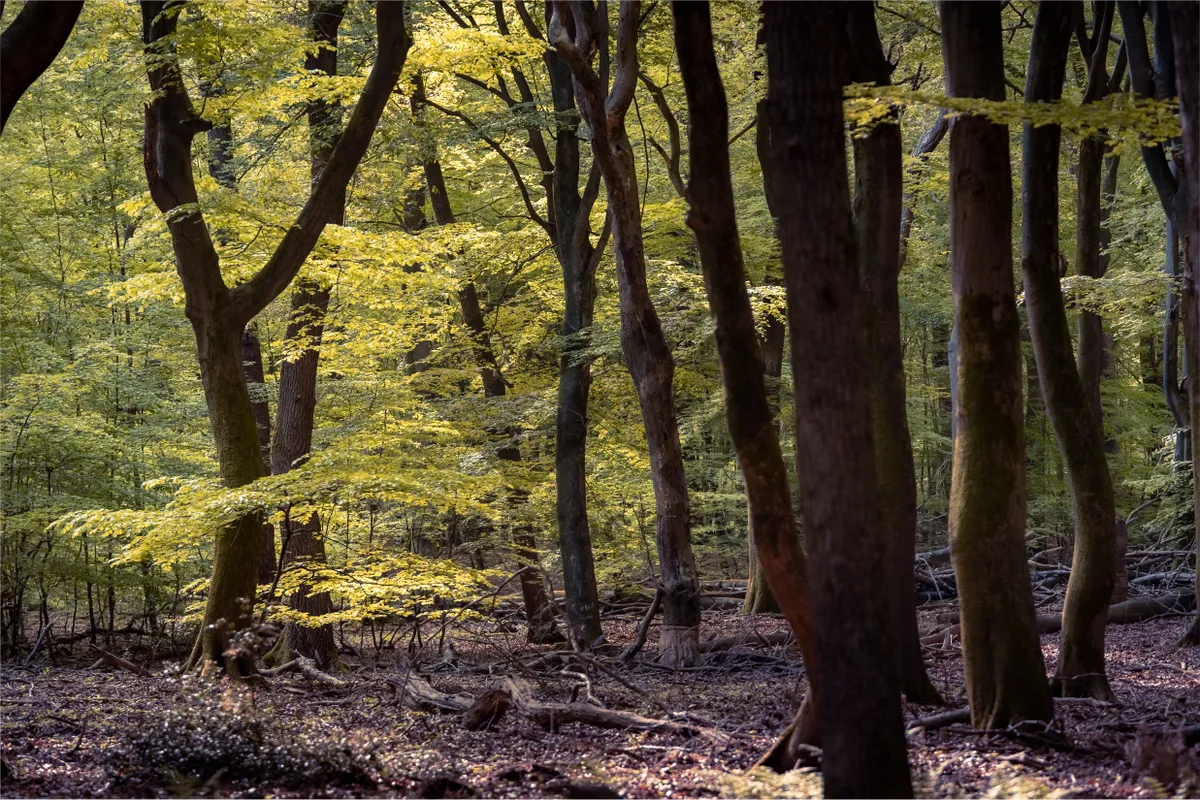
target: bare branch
512 165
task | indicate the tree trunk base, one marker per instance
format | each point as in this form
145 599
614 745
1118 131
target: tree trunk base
1192 637
799 744
679 646
1084 684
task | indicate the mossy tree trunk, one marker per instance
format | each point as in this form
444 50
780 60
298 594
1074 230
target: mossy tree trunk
1080 670
878 198
1185 21
218 313
861 726
252 366
643 343
1005 673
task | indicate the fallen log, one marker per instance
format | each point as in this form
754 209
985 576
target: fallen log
552 715
118 662
1139 609
416 693
1160 577
739 639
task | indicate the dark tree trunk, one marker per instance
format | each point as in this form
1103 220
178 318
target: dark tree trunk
29 46
579 261
220 169
1080 671
877 209
539 610
1185 21
859 696
712 216
1005 673
643 343
298 376
219 313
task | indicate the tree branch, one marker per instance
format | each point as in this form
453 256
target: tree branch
512 165
393 45
673 158
29 46
625 80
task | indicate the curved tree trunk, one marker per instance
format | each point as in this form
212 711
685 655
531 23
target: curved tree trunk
647 354
1185 19
712 217
877 209
1080 670
29 46
219 313
1005 673
859 692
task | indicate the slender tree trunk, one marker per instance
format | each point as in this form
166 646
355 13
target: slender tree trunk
539 610
575 254
1080 670
877 209
298 376
643 343
1005 673
1185 20
759 599
861 726
712 216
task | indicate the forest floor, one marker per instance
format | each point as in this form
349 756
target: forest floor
79 732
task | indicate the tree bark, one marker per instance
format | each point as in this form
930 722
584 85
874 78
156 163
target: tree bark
878 198
1185 20
539 610
1005 673
252 367
578 260
298 376
218 313
859 691
29 46
643 343
1080 671
712 216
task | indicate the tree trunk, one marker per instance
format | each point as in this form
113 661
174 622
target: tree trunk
219 313
1005 673
539 610
575 254
29 46
647 354
1185 19
877 208
298 377
859 692
712 216
1080 671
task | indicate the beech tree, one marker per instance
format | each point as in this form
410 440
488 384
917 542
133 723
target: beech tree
302 539
861 727
1185 20
647 354
877 210
218 313
712 217
1005 673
